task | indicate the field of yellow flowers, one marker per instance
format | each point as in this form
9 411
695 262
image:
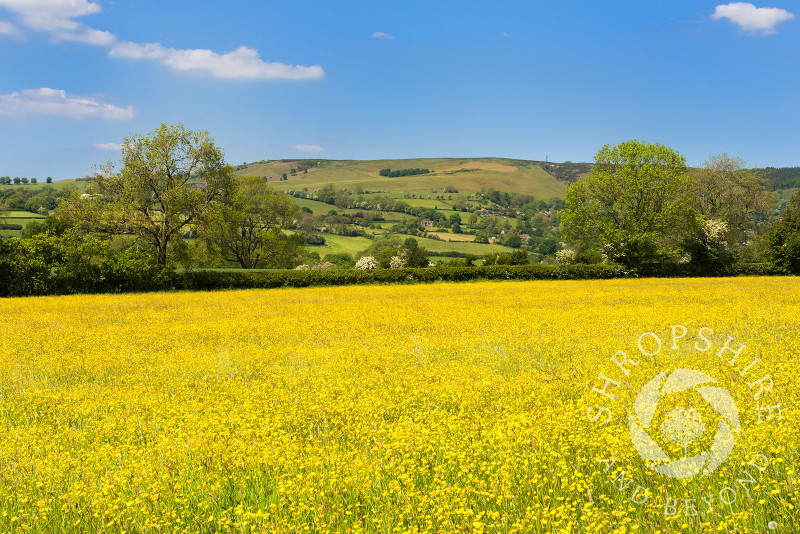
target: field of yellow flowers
478 407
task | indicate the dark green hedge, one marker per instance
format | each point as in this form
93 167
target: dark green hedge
686 270
33 274
206 280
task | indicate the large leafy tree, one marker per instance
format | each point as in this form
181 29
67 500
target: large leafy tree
635 205
168 180
726 190
245 227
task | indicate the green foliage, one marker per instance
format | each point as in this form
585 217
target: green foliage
635 205
783 239
548 246
341 259
518 257
245 226
168 180
410 242
49 264
782 178
724 189
402 172
416 257
567 171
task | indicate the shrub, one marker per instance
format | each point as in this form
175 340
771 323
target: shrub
366 263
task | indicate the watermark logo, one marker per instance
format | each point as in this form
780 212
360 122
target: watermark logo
682 426
687 403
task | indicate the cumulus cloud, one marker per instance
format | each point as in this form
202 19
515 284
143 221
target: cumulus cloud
382 35
308 148
46 101
242 63
108 146
751 18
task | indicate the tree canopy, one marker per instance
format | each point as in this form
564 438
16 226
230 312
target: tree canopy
635 205
168 180
245 226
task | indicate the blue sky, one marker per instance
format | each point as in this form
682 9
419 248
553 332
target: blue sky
370 80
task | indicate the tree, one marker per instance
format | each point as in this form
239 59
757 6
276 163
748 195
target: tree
24 180
246 226
168 181
784 238
635 205
49 180
726 190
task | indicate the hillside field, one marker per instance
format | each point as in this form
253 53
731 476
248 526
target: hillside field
449 408
468 175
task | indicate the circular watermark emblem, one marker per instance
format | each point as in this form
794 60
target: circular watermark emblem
687 418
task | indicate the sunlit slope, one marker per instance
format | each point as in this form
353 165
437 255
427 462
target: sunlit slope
464 174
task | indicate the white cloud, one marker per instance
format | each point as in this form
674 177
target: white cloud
46 101
308 148
382 35
6 28
108 146
242 63
56 18
506 35
751 18
65 9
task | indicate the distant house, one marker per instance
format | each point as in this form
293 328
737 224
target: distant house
426 224
524 236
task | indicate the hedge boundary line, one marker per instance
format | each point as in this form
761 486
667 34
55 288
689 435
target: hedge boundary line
210 280
43 280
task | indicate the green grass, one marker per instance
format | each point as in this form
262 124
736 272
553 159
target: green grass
319 208
356 245
18 214
479 249
498 173
335 244
81 185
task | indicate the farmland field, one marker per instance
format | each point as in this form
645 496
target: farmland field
414 408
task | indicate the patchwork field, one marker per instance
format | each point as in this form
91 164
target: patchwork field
465 174
434 408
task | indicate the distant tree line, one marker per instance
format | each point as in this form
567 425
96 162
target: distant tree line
402 172
7 180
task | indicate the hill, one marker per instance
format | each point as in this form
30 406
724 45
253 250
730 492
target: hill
540 179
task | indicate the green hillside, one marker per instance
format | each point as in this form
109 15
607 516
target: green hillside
464 174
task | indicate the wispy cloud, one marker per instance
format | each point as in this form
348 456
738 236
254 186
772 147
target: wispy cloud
108 146
382 35
6 28
752 19
46 101
506 35
243 62
307 148
56 17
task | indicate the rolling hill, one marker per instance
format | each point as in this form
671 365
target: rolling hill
464 174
